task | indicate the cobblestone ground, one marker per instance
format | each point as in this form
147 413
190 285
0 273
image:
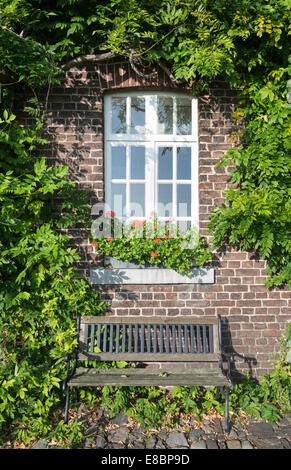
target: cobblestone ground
101 432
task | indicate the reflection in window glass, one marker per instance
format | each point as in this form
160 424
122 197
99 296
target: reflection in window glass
137 125
118 199
183 163
118 115
165 163
119 162
137 200
165 198
184 123
137 163
165 115
184 200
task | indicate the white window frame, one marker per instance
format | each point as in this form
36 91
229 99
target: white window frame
151 141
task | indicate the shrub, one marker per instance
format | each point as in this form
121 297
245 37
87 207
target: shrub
41 290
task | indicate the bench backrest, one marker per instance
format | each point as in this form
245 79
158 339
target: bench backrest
163 339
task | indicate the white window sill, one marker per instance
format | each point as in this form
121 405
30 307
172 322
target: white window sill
133 276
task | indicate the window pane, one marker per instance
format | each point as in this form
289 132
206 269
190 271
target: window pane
184 122
118 115
184 200
137 200
165 198
137 163
184 225
165 163
118 162
118 199
165 115
183 163
137 116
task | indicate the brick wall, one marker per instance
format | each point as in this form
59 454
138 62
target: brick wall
255 317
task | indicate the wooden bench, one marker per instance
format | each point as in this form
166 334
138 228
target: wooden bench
147 339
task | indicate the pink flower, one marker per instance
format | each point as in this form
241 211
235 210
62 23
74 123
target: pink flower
109 239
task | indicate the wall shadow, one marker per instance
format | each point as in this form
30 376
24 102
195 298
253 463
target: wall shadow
250 361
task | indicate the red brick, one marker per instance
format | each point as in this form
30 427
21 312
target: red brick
256 316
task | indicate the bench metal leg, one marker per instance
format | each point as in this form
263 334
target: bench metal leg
218 391
67 405
227 424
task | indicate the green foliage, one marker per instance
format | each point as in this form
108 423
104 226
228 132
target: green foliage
277 385
41 291
258 211
153 243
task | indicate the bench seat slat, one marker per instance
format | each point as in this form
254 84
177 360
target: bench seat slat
150 357
143 377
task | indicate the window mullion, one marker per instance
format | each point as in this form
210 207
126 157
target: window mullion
151 120
174 181
150 180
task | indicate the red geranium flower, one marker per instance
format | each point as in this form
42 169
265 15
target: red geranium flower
167 235
94 244
154 255
109 239
137 222
110 213
157 240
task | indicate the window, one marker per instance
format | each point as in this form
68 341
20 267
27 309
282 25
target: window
151 157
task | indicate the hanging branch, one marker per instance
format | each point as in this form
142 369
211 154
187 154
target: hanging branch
88 58
138 72
132 60
151 75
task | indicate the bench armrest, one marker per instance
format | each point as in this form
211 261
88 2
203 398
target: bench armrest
230 359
